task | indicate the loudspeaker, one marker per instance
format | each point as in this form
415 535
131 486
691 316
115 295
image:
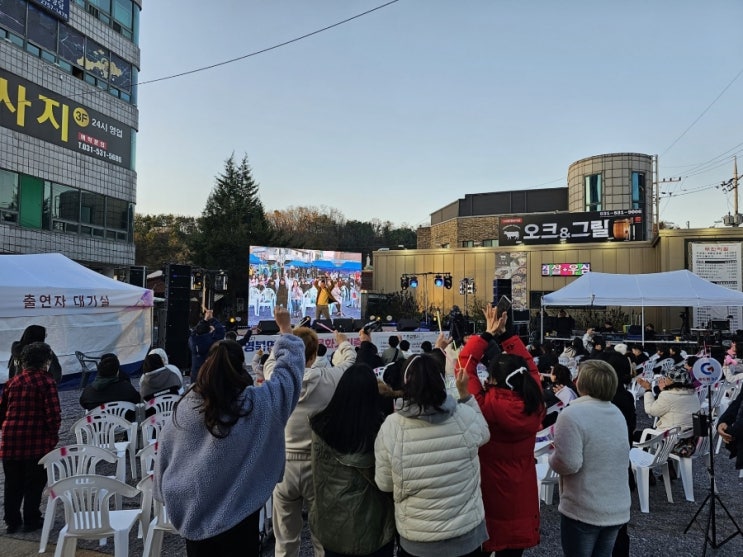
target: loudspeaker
317 324
501 287
520 315
138 275
268 327
405 324
176 332
358 324
178 283
344 324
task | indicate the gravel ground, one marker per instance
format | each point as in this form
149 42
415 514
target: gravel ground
658 533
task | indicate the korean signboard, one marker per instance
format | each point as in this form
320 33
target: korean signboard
571 228
719 263
32 110
565 269
58 8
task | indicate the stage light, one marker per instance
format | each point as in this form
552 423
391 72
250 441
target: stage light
438 281
413 281
447 282
404 282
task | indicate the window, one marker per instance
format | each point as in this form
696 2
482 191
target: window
8 197
42 28
65 203
593 192
121 73
638 190
13 15
117 214
71 45
468 244
490 243
93 209
96 60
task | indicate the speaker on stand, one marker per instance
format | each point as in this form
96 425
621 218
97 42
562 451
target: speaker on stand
178 305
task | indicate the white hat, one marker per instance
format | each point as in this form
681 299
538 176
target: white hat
621 348
160 352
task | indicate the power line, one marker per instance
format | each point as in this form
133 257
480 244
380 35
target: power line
703 112
267 49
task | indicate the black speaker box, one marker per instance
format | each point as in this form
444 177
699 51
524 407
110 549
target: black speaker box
501 287
138 275
178 283
344 325
177 332
405 324
268 327
520 315
320 325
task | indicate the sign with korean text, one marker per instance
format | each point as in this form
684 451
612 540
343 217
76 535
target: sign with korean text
33 110
572 228
58 8
565 269
720 263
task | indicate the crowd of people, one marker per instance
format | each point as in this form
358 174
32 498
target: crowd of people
431 455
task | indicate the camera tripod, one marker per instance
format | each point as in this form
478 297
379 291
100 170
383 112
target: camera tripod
710 533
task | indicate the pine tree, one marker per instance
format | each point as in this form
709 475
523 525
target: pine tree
232 220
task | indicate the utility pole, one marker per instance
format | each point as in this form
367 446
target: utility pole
736 219
656 193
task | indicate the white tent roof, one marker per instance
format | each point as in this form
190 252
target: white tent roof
674 288
51 284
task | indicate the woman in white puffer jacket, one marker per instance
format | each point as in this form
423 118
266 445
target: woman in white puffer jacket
426 455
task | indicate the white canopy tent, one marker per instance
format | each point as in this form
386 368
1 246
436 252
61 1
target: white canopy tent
671 289
81 309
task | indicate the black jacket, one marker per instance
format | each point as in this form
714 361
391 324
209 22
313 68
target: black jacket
109 389
733 417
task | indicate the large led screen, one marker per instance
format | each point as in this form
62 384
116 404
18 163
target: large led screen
289 277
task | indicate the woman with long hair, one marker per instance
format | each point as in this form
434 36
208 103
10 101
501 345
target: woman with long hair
512 404
426 455
32 333
350 515
219 458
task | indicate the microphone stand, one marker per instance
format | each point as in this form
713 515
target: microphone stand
710 534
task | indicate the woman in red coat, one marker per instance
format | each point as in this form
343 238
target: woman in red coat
512 404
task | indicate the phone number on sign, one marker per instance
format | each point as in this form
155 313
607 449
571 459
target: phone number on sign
98 152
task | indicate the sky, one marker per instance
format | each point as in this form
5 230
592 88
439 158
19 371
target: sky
398 113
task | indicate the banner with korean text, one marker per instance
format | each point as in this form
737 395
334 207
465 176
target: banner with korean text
41 113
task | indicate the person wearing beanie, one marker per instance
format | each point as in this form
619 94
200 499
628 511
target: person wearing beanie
676 402
157 379
109 386
170 367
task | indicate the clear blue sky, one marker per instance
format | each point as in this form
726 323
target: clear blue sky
403 111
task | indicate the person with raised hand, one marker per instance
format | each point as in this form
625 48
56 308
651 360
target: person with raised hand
221 455
426 456
296 487
512 405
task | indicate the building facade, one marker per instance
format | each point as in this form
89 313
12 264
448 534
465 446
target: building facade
68 125
603 185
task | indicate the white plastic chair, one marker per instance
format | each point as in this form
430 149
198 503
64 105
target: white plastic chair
308 300
64 462
254 298
268 300
684 465
648 455
118 408
162 403
86 501
160 523
547 478
152 425
146 458
100 429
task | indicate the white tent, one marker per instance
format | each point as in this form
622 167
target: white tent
671 289
81 309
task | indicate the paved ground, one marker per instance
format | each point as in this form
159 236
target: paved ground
659 533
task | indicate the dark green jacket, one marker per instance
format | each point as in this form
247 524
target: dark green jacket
350 514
